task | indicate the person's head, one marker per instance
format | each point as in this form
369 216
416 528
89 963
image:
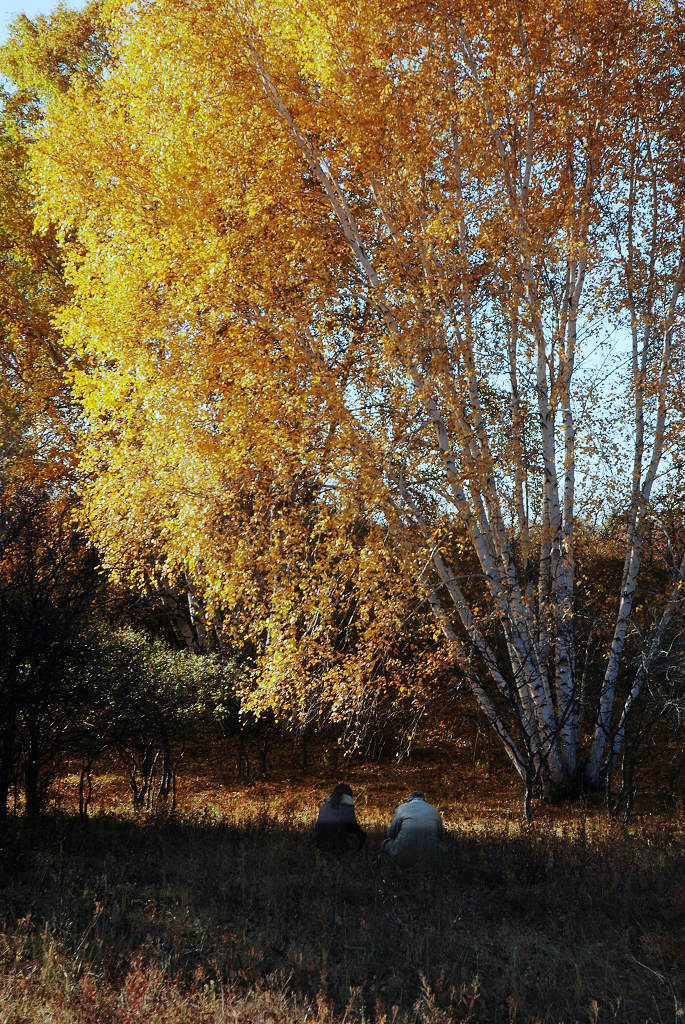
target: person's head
415 795
341 790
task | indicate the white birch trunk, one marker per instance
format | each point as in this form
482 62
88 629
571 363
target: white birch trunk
549 722
676 597
602 729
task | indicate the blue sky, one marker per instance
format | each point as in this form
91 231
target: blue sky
9 9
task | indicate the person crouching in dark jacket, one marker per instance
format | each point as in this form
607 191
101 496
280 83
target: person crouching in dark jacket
337 829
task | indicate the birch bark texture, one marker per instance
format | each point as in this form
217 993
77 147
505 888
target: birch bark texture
417 265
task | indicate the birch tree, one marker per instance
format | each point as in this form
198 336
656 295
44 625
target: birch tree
413 265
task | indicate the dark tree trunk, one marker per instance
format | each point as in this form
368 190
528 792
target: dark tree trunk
7 760
32 783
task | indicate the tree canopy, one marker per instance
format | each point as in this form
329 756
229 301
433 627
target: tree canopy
373 305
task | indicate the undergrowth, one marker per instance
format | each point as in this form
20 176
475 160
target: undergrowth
227 913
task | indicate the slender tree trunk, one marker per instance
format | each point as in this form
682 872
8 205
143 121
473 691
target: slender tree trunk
32 776
7 759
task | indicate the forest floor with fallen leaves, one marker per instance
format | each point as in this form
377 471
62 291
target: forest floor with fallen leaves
224 911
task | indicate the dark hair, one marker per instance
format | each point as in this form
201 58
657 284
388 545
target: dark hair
341 790
416 795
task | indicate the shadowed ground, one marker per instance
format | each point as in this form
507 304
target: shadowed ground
117 920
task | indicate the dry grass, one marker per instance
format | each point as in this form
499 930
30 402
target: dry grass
226 912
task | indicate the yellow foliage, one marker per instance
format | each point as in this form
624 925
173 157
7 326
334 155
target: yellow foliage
328 264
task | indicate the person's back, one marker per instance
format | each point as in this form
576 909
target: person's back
416 834
337 828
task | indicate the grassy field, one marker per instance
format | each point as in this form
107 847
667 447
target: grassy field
225 912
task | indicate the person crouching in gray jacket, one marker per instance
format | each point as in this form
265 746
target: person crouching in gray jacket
416 834
337 829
